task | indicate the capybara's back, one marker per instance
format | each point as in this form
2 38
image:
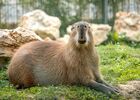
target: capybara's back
37 63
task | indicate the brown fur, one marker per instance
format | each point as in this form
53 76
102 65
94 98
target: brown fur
54 62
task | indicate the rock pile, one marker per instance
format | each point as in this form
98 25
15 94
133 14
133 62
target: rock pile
10 40
128 24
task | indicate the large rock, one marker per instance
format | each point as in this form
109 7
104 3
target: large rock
128 24
10 40
100 32
41 23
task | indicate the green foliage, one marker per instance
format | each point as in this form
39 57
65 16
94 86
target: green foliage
119 64
115 38
9 26
122 63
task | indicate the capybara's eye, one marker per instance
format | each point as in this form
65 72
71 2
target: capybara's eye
85 26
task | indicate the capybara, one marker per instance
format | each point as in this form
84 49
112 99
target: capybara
54 62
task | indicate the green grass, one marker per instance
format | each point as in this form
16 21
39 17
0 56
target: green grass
119 64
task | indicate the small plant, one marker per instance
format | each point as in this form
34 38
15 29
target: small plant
116 38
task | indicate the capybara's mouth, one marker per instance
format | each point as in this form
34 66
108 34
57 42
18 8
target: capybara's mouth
81 41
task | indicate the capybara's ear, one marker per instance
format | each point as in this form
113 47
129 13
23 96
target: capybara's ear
72 27
90 27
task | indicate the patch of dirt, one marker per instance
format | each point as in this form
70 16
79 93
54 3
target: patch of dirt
131 90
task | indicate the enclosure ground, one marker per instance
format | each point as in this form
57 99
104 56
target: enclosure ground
119 64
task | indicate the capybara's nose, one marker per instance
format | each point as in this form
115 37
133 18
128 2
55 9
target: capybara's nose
81 41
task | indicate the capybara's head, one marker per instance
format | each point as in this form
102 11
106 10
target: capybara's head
81 34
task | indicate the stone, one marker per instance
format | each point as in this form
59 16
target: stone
41 23
99 31
128 24
11 40
48 39
64 39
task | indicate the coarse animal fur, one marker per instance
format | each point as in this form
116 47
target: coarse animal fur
53 62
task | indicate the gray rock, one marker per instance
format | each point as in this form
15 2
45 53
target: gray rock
41 23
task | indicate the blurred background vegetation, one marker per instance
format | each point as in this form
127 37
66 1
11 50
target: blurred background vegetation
69 11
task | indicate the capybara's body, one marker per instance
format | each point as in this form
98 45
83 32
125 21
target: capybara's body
53 62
